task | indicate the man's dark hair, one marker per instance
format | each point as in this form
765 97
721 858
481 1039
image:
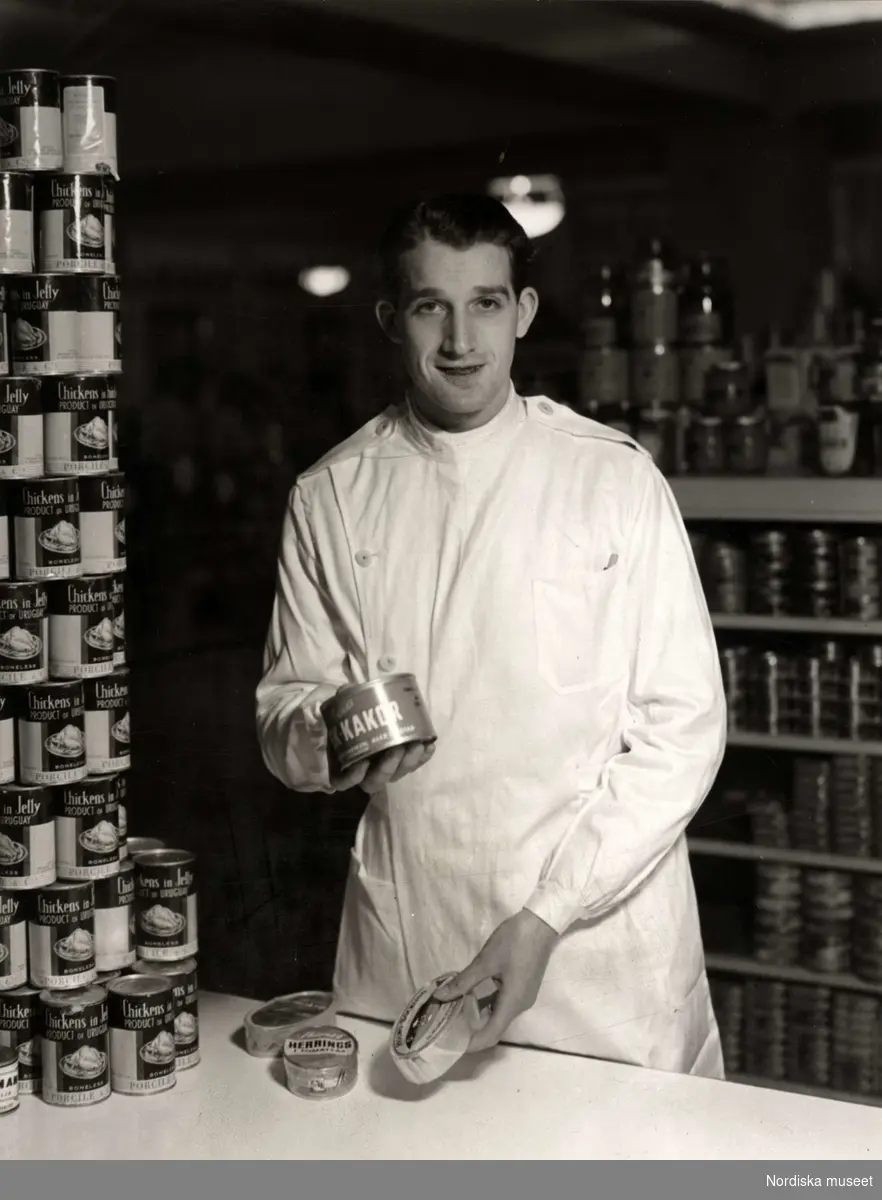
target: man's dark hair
459 220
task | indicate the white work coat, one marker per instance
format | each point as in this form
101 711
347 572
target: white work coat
536 578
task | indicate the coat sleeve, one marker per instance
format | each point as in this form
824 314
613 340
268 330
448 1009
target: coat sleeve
304 661
675 736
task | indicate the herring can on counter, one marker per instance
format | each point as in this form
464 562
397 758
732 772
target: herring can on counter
142 1035
7 735
103 522
79 417
47 529
13 940
86 829
21 428
108 730
75 223
76 1046
30 121
61 935
88 119
165 905
118 591
24 633
16 223
115 920
20 1031
51 733
363 719
27 837
185 985
81 640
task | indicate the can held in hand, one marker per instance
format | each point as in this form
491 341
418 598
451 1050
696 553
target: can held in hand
185 987
86 830
21 428
81 641
365 719
13 940
24 633
7 736
20 1031
16 223
76 230
108 731
51 733
103 522
30 121
76 1047
27 837
142 1035
61 935
165 905
88 118
47 529
8 1079
115 920
79 419
118 592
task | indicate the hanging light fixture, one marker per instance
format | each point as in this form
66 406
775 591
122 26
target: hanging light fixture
324 281
535 201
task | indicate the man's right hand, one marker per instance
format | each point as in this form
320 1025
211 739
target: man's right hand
387 767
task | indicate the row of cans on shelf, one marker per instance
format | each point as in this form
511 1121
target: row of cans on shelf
61 324
802 1034
53 122
63 526
74 832
827 690
649 375
59 425
826 921
58 224
59 732
778 572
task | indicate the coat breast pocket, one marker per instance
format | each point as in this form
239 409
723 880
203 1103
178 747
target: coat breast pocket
579 623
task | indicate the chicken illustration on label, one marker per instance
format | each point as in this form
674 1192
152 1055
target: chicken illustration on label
8 134
160 1050
88 232
100 839
160 921
78 946
121 533
27 337
121 730
119 627
11 852
19 644
66 743
7 441
85 1063
100 636
28 1054
61 538
93 434
186 1029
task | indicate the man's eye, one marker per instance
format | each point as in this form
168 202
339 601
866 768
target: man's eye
488 304
428 307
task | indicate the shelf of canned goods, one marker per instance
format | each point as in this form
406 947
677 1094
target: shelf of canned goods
98 984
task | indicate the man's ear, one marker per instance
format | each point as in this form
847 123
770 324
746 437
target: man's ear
528 306
388 320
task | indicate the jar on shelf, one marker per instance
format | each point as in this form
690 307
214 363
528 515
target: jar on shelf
654 296
655 375
656 431
838 425
707 444
705 303
727 391
747 443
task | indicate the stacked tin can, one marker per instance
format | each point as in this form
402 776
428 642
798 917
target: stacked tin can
809 1048
778 915
765 1021
812 804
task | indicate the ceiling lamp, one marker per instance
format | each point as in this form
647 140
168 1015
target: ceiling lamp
324 281
808 14
535 201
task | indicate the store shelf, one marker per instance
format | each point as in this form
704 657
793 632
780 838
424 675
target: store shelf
732 964
716 848
805 1089
815 500
839 626
803 745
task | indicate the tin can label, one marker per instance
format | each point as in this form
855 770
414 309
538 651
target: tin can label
115 920
8 1083
13 941
47 529
16 224
79 422
4 343
21 429
142 1043
75 224
604 376
7 739
45 327
103 523
30 121
367 718
838 438
52 734
165 911
185 988
100 332
62 939
86 830
88 105
24 631
76 1054
108 732
655 380
27 838
653 315
20 1030
119 620
81 641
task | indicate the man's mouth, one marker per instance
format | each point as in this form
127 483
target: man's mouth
460 372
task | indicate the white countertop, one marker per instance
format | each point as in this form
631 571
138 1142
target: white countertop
510 1104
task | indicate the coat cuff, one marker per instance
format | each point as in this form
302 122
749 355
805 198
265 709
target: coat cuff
556 906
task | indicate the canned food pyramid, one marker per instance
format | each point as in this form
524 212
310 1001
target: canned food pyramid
30 121
16 223
142 1034
21 428
115 920
86 830
76 1046
24 633
185 986
79 416
367 718
20 1030
47 529
165 905
81 641
75 223
27 837
13 940
51 733
7 736
108 731
61 935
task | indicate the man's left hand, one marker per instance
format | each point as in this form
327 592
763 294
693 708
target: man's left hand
515 958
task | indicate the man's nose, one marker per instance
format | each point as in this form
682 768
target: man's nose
457 336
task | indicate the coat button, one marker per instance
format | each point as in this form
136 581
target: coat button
386 662
363 558
545 407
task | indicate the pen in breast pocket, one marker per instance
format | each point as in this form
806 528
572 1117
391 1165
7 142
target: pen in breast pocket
613 559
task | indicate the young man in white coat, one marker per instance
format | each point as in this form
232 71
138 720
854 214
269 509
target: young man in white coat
531 569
